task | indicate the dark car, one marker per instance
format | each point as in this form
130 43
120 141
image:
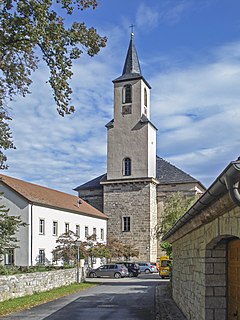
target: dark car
133 268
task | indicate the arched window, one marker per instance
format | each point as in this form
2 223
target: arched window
127 167
145 97
127 93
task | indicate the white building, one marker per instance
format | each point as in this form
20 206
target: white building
48 214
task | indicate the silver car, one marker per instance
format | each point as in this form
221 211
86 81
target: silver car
115 270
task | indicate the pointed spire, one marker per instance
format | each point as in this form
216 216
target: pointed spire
132 65
131 69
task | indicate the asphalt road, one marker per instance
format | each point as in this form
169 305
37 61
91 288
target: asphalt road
118 299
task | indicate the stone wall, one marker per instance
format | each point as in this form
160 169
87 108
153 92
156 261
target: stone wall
93 196
137 201
199 278
20 285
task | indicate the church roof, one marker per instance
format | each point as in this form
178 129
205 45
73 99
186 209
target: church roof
131 69
166 174
39 195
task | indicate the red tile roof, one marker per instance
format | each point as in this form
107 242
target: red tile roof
36 194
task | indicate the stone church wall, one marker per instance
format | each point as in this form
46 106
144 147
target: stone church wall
199 278
137 201
94 197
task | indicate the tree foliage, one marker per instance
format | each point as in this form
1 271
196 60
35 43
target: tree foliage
67 249
5 138
118 250
34 30
9 225
174 207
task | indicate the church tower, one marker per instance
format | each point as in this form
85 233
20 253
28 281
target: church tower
130 185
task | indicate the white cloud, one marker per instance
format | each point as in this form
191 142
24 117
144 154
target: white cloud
146 17
195 107
197 111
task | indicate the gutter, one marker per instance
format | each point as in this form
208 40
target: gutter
227 181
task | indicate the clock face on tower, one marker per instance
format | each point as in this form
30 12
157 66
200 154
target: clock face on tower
127 109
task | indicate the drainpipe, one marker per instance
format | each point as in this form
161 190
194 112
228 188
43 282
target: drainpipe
232 185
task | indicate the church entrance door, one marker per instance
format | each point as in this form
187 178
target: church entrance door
234 280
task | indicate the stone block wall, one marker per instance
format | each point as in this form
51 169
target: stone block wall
137 201
199 278
93 196
20 285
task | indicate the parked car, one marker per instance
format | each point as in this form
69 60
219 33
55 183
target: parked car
115 270
147 267
133 268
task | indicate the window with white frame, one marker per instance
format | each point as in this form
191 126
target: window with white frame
126 224
55 228
78 230
66 227
41 256
95 231
41 226
86 232
9 257
102 234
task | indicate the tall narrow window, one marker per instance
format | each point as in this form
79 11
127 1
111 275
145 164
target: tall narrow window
145 97
41 256
66 227
41 226
102 234
78 230
127 167
86 232
55 228
9 257
126 224
127 93
95 231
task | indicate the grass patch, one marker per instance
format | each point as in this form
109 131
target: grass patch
26 302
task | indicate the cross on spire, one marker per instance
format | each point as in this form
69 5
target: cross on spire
132 26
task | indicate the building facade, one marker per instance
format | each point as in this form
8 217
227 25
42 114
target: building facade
206 252
48 214
133 190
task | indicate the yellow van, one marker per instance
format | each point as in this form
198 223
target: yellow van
164 264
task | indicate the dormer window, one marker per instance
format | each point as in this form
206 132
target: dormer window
127 93
127 167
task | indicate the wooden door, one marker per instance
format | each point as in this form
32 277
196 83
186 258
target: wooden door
234 280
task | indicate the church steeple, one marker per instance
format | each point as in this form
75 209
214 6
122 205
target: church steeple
131 69
132 65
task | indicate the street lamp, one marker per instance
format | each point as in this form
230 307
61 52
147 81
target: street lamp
78 243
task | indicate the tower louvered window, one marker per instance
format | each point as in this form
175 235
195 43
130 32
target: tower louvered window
127 93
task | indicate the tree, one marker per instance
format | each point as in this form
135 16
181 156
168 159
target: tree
5 138
174 207
9 225
68 244
118 250
67 249
129 251
34 30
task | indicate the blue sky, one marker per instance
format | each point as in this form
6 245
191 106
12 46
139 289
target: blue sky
189 51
